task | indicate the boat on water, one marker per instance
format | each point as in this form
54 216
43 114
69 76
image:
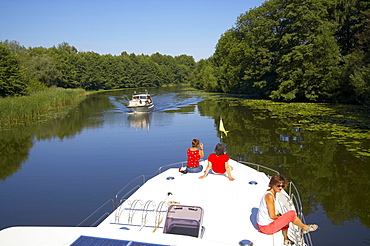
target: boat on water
172 207
141 102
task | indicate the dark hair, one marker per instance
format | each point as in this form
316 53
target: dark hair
276 179
220 149
195 142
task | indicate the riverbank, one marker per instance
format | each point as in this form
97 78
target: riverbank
42 105
25 110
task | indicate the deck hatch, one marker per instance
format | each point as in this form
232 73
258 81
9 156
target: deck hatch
184 220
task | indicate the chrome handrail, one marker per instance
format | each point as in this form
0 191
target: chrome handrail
170 165
143 181
126 195
297 198
258 166
117 200
96 211
105 215
123 188
293 194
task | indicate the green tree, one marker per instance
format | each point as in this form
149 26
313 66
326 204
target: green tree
285 50
11 74
227 59
354 37
16 48
259 31
308 68
43 69
167 66
65 57
184 69
146 73
205 76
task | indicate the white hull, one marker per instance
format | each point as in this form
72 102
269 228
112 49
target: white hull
141 102
230 209
146 108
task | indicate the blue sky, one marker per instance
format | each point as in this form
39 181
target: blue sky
170 27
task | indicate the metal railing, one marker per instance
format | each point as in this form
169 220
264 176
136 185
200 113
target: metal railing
162 168
293 194
258 166
119 198
92 215
137 208
129 188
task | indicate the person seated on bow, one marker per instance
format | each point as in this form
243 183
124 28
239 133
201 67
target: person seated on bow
218 163
269 220
195 153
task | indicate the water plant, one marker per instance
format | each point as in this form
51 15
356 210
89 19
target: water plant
15 111
347 124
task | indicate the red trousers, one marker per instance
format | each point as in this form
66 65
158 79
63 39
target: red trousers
281 223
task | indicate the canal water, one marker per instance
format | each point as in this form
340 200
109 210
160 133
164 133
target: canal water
58 172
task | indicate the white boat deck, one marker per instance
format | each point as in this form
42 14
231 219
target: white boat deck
230 210
230 207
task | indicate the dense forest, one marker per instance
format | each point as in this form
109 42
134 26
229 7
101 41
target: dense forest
285 50
294 50
24 70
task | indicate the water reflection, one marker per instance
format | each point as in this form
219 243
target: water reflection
93 112
140 121
16 144
14 150
326 173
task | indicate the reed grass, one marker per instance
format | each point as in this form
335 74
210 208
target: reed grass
27 109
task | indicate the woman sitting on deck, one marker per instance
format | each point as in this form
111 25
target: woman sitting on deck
219 163
269 220
194 155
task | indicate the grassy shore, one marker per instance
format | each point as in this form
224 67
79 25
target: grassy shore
15 111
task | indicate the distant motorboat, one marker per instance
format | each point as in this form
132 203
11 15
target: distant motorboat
141 102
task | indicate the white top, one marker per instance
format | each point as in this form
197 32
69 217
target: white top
263 217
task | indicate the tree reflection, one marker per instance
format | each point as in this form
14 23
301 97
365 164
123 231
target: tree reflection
16 144
14 150
324 171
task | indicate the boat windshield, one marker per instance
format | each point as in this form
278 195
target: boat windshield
139 97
